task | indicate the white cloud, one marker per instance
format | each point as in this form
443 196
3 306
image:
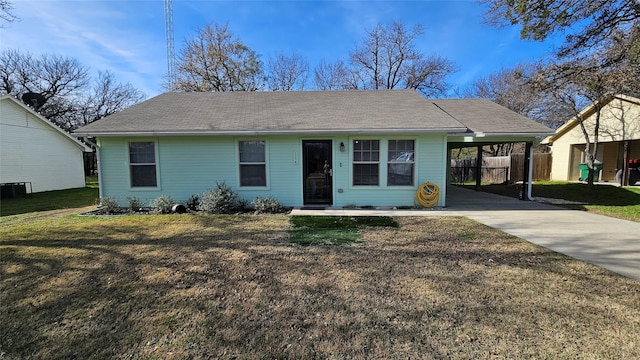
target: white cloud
101 35
128 37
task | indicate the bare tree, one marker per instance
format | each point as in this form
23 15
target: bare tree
620 61
580 86
107 97
586 23
64 83
429 75
331 76
11 70
600 56
508 88
215 60
54 77
49 75
614 68
287 73
6 13
621 74
387 59
514 89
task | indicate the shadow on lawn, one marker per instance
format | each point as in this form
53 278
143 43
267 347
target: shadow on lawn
105 298
409 292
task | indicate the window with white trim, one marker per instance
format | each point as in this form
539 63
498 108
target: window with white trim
253 165
400 162
142 164
366 162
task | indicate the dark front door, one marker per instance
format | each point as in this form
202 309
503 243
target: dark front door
317 172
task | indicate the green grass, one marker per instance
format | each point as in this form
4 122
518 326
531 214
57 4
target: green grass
341 222
52 200
233 287
619 202
308 237
333 230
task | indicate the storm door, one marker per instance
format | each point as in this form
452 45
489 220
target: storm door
317 172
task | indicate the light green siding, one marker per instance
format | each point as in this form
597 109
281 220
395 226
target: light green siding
284 170
190 165
430 156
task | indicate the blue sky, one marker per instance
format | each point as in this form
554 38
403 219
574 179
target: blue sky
128 37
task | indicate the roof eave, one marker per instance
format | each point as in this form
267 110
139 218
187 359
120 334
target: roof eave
265 132
518 134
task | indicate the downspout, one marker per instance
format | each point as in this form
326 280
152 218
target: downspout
98 165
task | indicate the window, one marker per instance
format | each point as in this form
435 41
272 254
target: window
252 163
142 164
366 162
400 166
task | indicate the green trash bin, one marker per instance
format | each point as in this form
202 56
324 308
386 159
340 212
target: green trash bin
584 171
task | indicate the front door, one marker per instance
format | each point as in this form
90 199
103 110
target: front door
317 170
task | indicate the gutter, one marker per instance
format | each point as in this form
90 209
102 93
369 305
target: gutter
266 132
483 134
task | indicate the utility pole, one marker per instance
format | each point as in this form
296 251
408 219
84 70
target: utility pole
171 57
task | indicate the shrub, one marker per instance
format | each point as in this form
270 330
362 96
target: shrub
267 205
109 205
162 204
243 205
193 202
135 204
220 200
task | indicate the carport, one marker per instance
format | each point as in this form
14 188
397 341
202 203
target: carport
488 123
527 170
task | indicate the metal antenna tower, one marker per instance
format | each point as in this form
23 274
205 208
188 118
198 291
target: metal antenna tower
171 56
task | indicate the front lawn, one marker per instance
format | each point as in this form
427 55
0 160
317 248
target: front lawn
619 202
195 286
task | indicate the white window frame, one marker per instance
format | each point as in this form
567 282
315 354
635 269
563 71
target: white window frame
155 164
412 163
263 163
361 162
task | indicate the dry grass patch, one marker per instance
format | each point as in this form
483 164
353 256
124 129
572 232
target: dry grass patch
175 287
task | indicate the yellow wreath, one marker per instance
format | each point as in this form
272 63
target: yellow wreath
428 194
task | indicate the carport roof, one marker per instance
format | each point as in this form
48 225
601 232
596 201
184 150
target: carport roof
482 116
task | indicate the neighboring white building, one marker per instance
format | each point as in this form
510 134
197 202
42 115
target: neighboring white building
36 152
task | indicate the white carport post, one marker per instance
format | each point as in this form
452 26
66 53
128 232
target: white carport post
528 173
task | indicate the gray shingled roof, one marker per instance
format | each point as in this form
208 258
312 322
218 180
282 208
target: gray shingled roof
303 112
485 116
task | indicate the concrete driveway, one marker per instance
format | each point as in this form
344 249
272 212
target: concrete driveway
611 243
